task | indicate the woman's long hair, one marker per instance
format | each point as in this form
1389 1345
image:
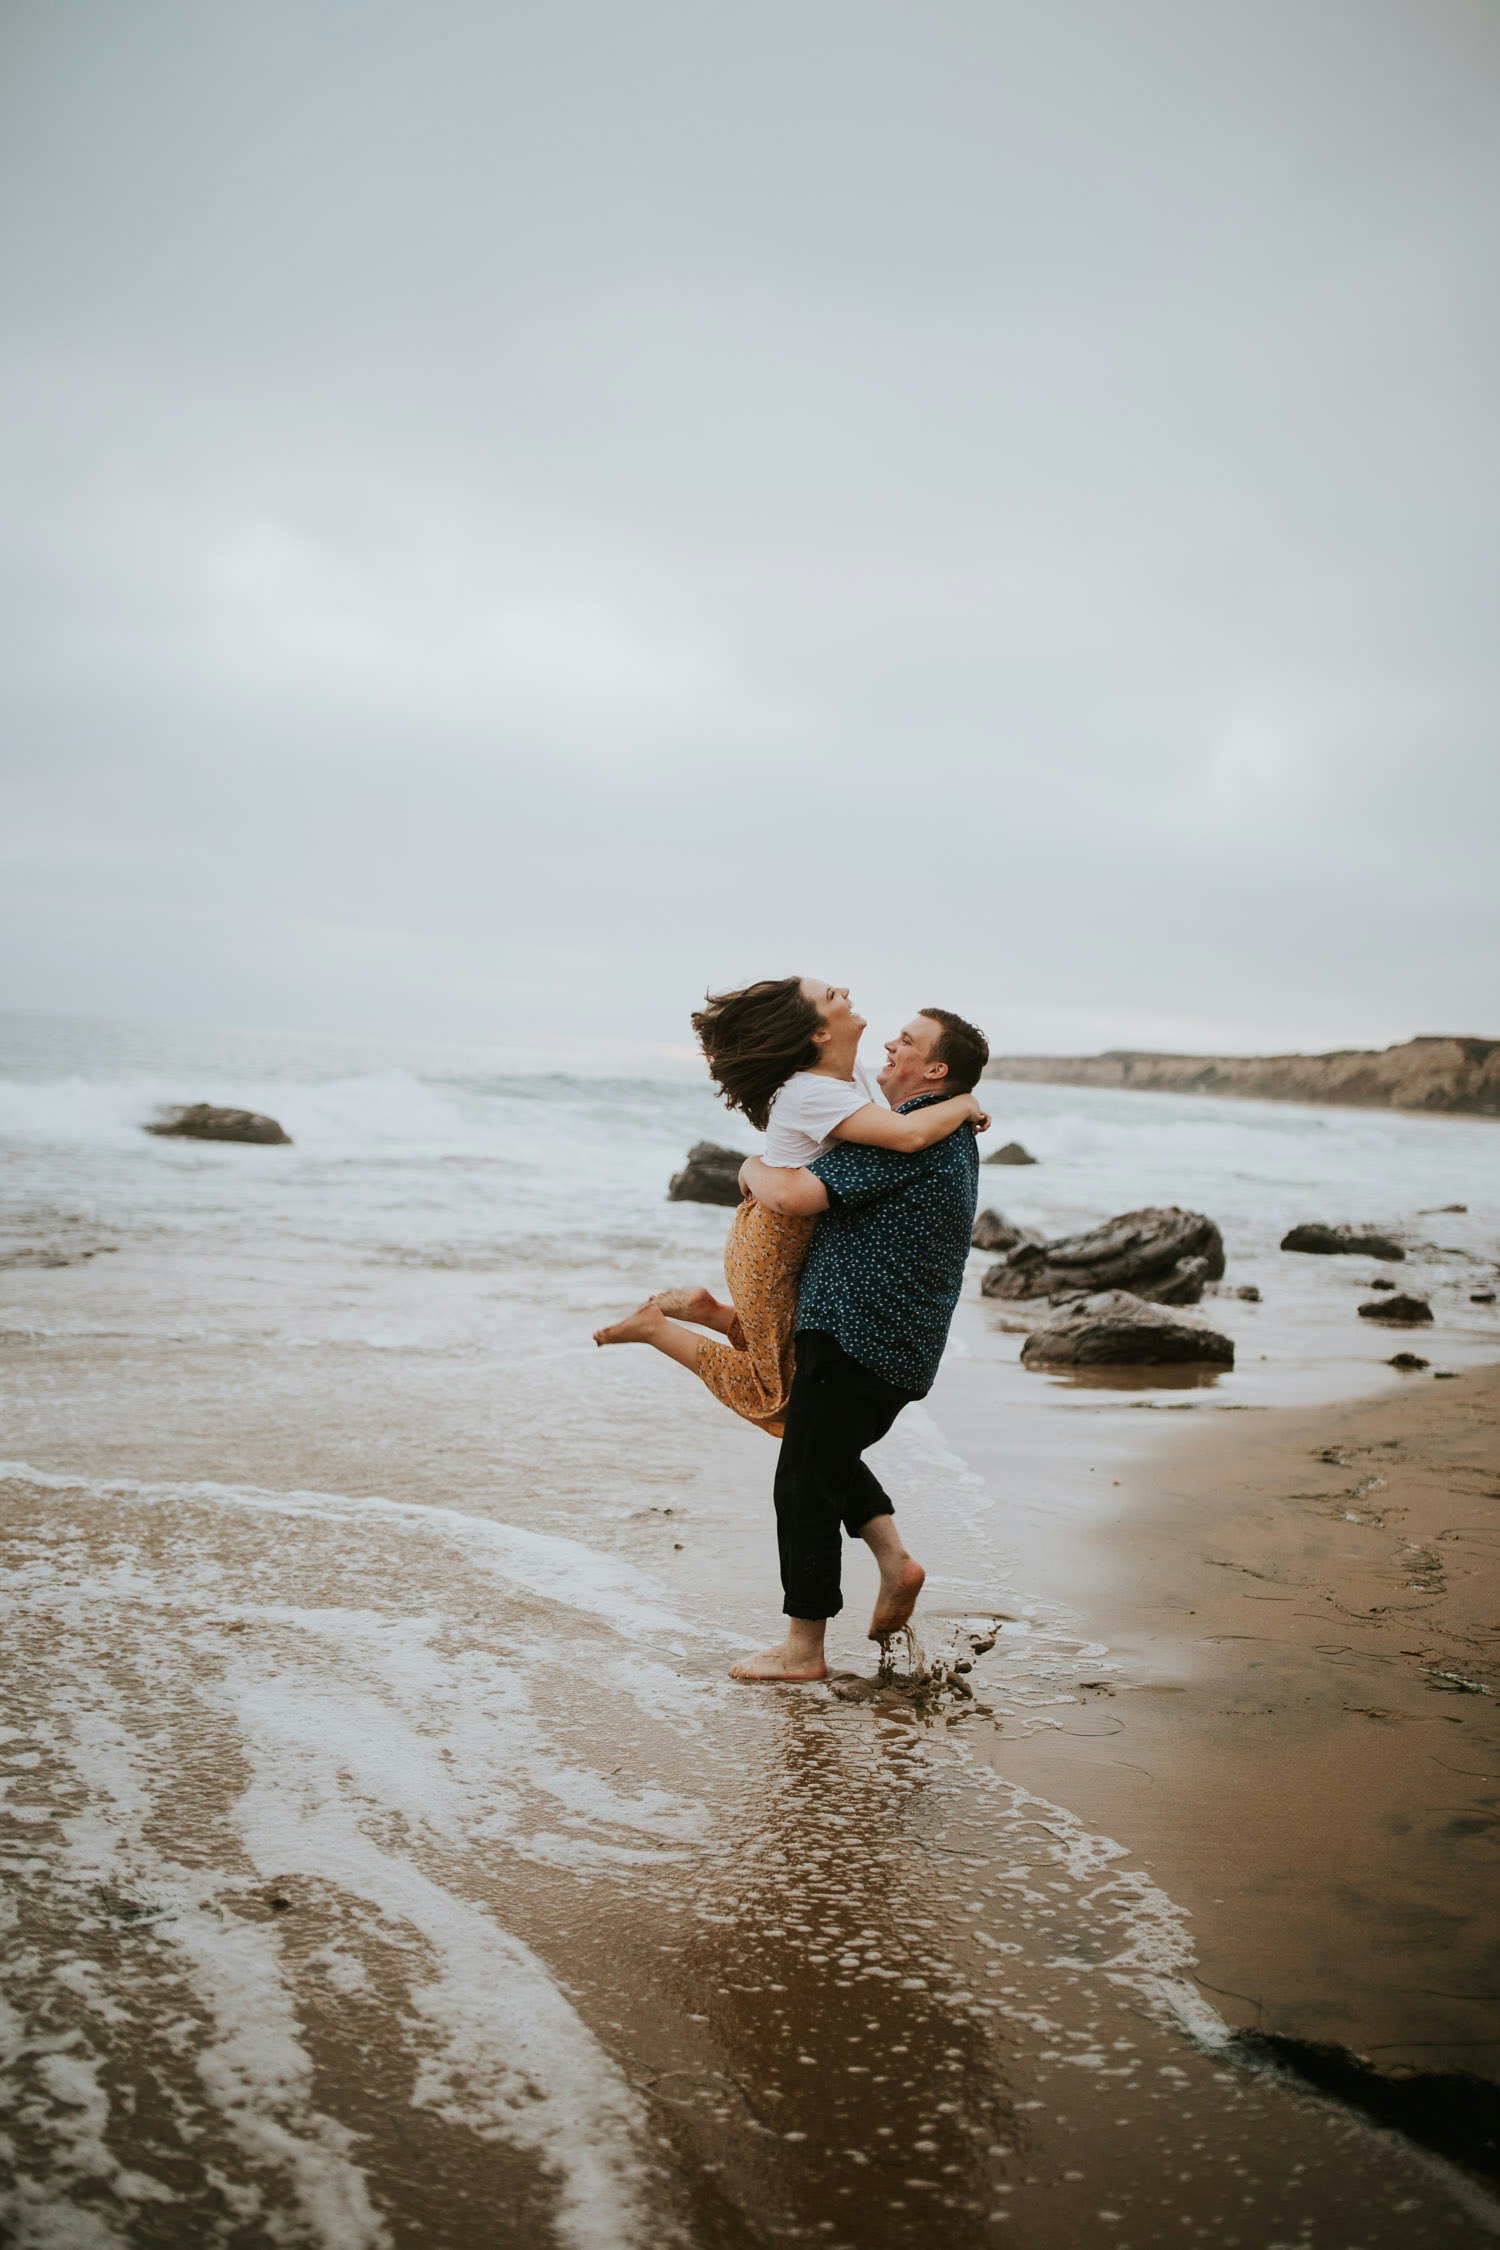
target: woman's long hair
753 1040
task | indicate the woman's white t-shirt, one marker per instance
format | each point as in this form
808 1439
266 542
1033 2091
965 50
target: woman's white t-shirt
807 1109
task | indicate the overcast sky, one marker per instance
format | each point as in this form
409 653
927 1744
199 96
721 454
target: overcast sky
513 515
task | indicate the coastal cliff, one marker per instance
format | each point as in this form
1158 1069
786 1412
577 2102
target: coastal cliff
1450 1074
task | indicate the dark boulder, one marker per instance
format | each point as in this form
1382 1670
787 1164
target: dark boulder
1407 1312
1408 1362
1163 1253
1342 1242
1481 1296
201 1121
1012 1153
1117 1329
993 1231
711 1175
1248 1293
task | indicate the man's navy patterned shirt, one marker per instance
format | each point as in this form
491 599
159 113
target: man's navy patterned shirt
887 1261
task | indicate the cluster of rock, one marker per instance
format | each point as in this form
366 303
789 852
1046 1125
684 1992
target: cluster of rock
1399 1308
1112 1285
1165 1255
201 1121
710 1175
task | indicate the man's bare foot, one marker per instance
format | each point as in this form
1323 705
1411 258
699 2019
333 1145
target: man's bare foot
900 1584
700 1306
640 1327
782 1663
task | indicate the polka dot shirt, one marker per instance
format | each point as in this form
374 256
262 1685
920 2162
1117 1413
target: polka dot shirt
887 1261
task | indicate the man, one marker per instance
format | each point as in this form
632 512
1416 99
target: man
878 1291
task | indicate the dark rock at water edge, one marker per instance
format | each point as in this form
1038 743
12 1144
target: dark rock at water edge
1162 1253
1117 1329
1452 2112
201 1121
1012 1153
1408 1362
711 1175
993 1231
1481 1296
1404 1311
1342 1242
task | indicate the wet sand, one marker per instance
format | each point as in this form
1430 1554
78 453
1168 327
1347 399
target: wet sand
1305 1747
314 1948
383 1871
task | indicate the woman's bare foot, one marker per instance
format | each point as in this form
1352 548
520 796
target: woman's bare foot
700 1306
900 1584
643 1326
779 1664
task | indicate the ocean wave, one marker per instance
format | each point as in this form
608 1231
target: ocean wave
541 1563
340 1767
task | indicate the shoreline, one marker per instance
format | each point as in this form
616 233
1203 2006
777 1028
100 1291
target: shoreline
372 1631
1304 1744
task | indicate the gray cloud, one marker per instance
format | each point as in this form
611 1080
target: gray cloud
512 517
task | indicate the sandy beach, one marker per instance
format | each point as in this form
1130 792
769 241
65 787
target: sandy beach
883 1987
388 1859
1309 1756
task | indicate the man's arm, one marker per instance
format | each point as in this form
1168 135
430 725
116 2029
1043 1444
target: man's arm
788 1188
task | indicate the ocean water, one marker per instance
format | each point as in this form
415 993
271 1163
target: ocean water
388 1857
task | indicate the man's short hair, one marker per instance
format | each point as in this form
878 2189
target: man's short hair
963 1048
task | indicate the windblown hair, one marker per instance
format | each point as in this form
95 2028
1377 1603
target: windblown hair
754 1039
961 1047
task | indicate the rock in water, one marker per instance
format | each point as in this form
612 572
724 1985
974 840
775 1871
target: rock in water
1117 1329
1409 1363
993 1231
1342 1242
201 1121
1166 1254
1409 1312
711 1175
1012 1153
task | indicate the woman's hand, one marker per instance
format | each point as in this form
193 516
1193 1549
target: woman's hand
981 1118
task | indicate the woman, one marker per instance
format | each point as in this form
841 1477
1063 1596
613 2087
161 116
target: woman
785 1052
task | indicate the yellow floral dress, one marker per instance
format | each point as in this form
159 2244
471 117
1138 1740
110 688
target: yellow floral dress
751 1372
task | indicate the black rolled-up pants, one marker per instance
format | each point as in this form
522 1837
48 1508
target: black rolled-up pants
837 1407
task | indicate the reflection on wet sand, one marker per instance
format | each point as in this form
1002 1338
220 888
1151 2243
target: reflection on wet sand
363 1898
863 2086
